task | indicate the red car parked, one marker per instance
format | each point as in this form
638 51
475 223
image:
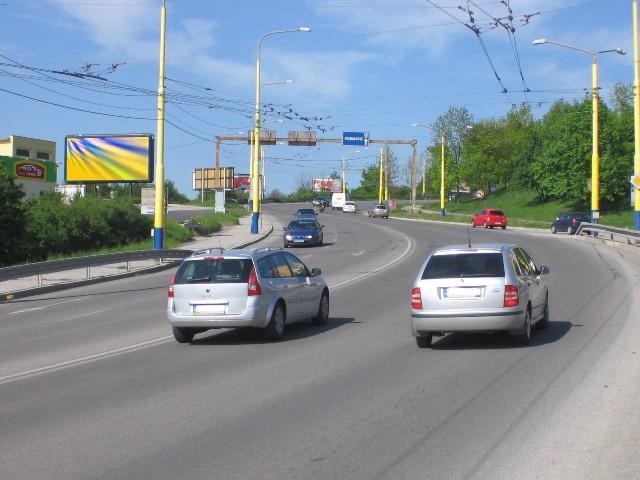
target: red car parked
489 218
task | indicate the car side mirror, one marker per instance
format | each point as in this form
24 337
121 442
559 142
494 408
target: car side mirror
544 269
315 272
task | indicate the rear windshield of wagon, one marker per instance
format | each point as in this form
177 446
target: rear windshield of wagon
464 265
219 270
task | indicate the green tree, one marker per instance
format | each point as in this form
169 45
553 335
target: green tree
562 164
12 220
454 124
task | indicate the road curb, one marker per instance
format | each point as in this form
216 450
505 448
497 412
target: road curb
9 296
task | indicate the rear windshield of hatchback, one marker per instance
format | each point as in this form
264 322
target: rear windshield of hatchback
223 270
464 265
496 212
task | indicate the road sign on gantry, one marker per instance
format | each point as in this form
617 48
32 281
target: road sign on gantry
355 138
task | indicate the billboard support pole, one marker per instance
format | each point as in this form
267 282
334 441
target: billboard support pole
159 213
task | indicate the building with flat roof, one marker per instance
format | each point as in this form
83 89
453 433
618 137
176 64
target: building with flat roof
31 161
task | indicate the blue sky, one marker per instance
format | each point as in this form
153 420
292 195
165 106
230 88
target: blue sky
367 65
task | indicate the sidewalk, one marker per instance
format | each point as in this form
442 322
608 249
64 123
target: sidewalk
236 236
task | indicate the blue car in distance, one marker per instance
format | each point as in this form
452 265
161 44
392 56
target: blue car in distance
303 231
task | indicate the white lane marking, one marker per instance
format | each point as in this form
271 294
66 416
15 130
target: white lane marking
82 315
82 360
379 269
358 254
42 307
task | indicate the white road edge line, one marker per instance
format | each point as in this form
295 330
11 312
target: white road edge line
78 361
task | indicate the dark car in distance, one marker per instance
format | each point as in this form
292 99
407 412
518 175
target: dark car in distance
303 231
569 222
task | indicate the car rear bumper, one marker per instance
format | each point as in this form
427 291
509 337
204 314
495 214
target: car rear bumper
423 322
250 318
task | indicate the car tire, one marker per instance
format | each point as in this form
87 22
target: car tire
183 334
484 224
504 228
473 224
322 317
570 230
553 229
274 331
285 245
543 324
424 341
524 338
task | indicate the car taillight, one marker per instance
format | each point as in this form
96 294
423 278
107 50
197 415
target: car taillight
170 287
416 299
254 288
511 298
573 220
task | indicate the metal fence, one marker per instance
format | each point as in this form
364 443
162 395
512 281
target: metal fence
614 234
41 268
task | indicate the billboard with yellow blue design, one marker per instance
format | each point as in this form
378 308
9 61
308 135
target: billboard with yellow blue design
109 159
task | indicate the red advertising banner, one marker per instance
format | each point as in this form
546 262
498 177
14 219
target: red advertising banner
30 170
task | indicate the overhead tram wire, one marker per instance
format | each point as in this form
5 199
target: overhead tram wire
510 29
476 32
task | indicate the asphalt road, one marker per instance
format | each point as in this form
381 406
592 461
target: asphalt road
92 385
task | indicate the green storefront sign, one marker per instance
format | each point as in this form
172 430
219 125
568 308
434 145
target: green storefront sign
25 169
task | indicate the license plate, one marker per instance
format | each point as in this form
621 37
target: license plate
206 309
298 241
463 292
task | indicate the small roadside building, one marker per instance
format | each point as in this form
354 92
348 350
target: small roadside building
31 161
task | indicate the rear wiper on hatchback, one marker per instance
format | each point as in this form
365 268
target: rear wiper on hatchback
200 279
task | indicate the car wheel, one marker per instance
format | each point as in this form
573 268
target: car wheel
274 331
504 227
424 341
322 317
183 334
285 245
553 229
570 230
321 241
544 323
484 224
473 224
525 337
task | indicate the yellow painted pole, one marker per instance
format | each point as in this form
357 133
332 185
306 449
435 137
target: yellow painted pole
636 112
386 175
380 180
595 156
424 176
443 211
159 213
255 159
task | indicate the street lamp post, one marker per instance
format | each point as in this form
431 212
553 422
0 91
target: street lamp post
595 155
255 160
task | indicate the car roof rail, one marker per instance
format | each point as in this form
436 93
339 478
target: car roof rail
207 251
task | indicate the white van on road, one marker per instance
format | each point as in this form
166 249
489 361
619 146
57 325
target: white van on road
337 200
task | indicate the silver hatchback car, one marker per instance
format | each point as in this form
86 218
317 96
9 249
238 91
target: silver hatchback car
264 288
480 288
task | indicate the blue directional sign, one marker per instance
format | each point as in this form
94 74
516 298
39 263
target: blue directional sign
355 138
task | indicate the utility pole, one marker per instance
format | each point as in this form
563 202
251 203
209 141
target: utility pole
344 179
636 114
413 179
159 213
380 193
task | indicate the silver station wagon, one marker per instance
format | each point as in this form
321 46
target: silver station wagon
263 288
479 288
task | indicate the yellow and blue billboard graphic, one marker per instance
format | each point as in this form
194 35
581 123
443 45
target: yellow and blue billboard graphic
109 158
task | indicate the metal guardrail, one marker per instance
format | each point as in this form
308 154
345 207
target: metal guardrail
41 268
615 234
